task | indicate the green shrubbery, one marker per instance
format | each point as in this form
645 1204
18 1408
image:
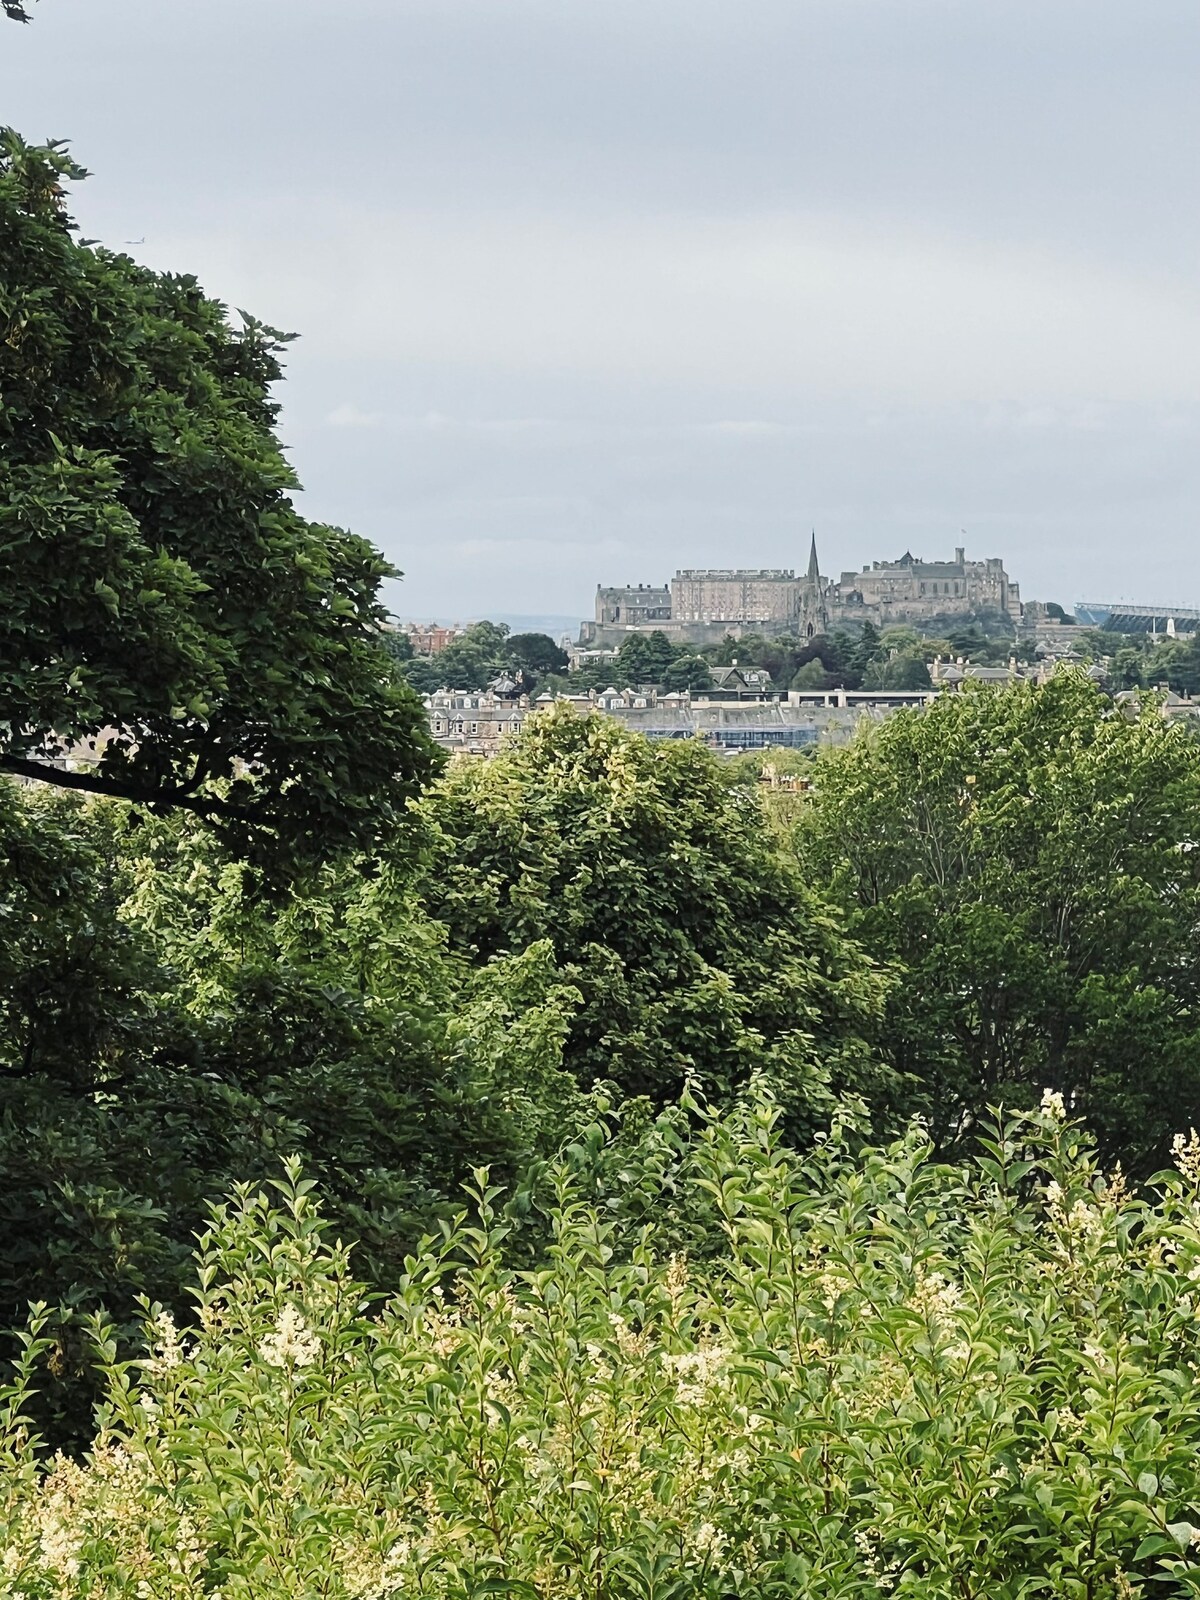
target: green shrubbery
898 1376
588 921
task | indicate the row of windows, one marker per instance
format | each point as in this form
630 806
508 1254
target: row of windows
458 725
729 615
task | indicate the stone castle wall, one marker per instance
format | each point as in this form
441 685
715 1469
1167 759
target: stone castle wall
701 605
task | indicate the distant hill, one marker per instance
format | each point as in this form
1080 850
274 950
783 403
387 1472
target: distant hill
551 625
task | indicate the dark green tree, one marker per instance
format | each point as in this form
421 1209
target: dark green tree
397 644
1029 861
167 1033
812 675
646 657
535 654
160 587
905 670
971 642
1126 669
865 649
1176 662
468 663
688 673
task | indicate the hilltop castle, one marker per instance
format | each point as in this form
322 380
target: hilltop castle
702 604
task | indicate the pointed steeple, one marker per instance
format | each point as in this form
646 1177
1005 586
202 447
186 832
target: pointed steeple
814 570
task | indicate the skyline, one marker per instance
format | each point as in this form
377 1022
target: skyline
586 295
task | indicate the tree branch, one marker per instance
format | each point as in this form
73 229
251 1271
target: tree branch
92 783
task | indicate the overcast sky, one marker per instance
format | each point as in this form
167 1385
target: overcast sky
592 289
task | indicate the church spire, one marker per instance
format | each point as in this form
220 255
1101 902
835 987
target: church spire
814 570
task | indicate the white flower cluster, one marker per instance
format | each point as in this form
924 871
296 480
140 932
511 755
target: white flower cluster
884 1575
167 1350
935 1296
697 1372
832 1286
1053 1105
180 1566
1082 1220
369 1576
708 1542
293 1343
60 1522
1187 1154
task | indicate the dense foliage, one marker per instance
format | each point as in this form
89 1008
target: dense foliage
896 658
169 1031
947 1383
1029 863
1148 661
486 652
698 952
161 593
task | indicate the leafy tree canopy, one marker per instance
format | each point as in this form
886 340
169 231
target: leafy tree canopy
161 591
536 653
647 657
904 670
697 951
812 675
688 673
1029 860
166 1033
486 651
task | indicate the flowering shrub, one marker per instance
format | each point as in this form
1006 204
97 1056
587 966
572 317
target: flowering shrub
902 1377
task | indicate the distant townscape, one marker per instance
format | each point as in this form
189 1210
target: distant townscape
767 659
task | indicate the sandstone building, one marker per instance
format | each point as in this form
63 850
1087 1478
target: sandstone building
915 591
702 604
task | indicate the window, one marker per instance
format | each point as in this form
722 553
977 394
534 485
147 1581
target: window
474 727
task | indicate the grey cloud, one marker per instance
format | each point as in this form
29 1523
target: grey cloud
589 291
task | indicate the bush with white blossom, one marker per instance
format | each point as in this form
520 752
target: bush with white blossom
945 1383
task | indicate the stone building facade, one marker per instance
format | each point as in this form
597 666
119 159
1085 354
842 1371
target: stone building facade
726 595
702 604
633 606
474 722
914 591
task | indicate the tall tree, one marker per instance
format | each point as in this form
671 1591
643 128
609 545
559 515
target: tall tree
688 672
535 654
1029 860
161 590
165 1033
646 657
696 949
